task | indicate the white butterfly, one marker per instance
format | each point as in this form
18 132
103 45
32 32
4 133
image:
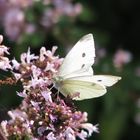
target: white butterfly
75 75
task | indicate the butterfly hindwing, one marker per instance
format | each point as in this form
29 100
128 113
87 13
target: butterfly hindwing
85 89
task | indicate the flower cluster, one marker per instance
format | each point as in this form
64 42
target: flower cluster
43 113
15 15
4 61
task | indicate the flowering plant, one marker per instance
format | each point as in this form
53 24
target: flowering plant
43 113
21 18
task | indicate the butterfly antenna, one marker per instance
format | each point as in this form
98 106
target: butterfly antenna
57 95
51 87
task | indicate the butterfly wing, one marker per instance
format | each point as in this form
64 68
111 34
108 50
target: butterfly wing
81 57
85 89
84 72
105 80
88 86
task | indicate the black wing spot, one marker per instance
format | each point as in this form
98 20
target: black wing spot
83 54
82 65
99 80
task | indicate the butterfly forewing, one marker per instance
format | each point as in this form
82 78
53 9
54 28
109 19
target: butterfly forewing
80 73
80 57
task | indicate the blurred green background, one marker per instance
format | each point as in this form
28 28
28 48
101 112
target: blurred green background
115 26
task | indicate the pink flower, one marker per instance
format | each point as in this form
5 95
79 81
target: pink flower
90 128
4 63
3 125
16 64
69 134
3 49
26 58
49 54
21 3
22 94
121 57
47 96
51 136
1 39
17 114
14 22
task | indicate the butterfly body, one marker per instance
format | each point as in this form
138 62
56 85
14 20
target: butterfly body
58 81
75 75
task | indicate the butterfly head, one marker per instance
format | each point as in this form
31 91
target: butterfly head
57 80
